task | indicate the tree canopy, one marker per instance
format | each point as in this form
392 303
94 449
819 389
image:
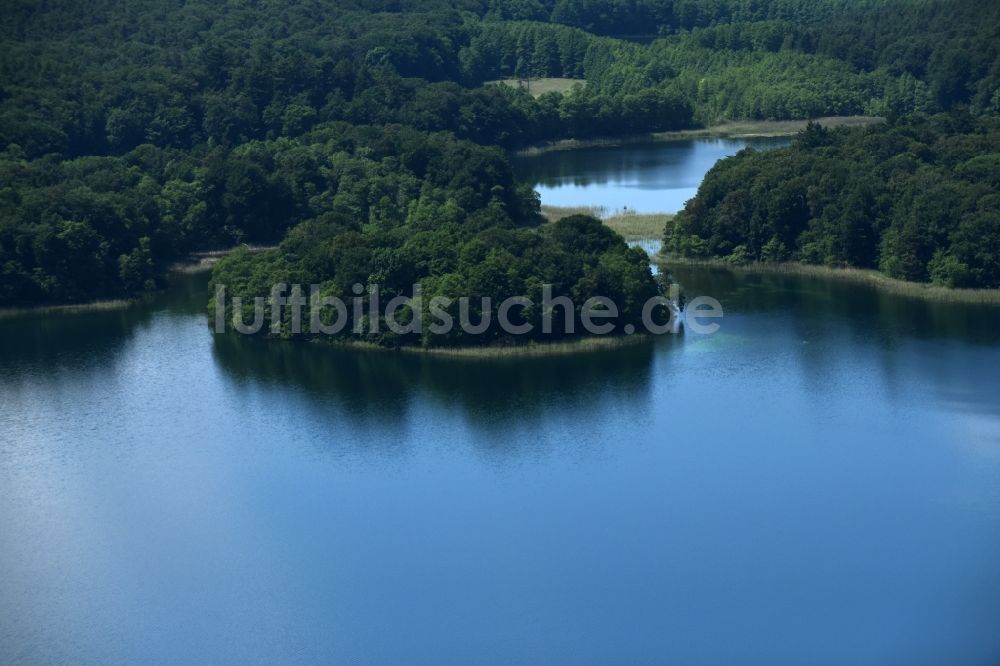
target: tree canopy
134 133
918 198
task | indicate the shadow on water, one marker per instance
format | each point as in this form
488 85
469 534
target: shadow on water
486 391
601 165
837 330
91 339
812 303
651 164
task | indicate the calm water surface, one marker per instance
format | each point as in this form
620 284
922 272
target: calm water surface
819 481
647 177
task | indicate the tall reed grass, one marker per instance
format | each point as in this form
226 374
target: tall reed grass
856 275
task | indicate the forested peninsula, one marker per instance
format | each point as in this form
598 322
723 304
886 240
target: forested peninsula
917 198
362 138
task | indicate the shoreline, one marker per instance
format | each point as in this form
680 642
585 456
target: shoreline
730 129
632 226
196 262
103 305
202 262
861 276
585 345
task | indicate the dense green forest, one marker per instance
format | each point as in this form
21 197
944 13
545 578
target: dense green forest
134 133
917 198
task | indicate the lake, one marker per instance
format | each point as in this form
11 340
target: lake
817 481
652 177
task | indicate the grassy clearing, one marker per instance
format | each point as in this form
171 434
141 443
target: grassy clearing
858 276
556 213
538 87
639 226
633 226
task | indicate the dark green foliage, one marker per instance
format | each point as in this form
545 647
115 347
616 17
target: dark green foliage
459 258
133 133
918 199
71 230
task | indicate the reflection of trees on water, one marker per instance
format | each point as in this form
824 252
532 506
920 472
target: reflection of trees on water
670 164
75 341
812 302
65 340
383 384
832 326
602 165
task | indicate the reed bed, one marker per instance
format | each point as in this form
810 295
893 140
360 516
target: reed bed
630 224
725 130
556 213
639 226
70 308
856 275
584 345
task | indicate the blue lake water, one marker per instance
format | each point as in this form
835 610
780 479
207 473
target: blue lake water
819 481
655 177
